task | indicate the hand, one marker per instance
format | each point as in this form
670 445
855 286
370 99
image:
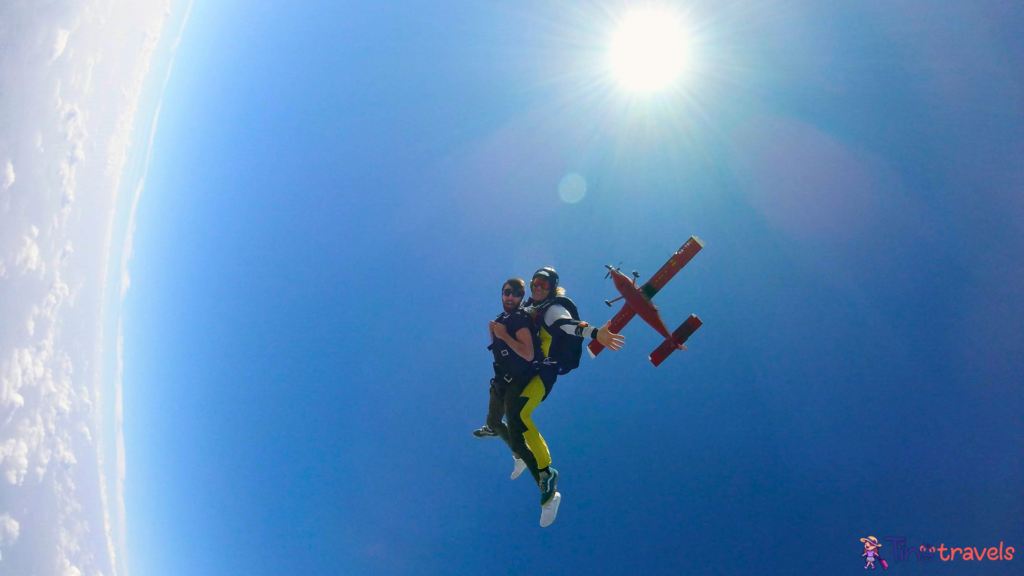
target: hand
609 339
499 330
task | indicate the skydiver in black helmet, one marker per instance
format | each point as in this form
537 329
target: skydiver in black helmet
561 334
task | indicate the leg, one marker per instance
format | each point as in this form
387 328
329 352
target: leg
495 412
517 428
548 375
524 439
533 394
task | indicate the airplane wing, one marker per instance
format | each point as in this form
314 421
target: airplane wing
619 322
674 265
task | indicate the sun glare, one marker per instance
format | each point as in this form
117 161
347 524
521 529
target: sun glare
647 51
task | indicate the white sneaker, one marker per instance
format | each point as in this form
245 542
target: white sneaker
520 466
550 510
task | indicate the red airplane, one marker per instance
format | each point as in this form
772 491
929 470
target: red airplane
638 301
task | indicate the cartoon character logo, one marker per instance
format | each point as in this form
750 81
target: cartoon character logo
870 554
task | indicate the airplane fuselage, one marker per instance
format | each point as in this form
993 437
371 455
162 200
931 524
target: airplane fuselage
639 302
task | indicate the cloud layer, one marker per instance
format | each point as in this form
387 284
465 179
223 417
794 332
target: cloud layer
71 75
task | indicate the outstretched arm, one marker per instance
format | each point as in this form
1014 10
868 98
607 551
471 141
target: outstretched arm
609 339
560 317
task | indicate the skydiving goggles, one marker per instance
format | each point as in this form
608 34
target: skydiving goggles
540 283
510 292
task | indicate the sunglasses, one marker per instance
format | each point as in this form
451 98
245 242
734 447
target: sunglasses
540 283
511 292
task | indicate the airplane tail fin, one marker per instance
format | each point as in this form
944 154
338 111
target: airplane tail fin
670 345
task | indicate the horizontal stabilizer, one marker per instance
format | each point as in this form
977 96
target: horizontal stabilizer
670 345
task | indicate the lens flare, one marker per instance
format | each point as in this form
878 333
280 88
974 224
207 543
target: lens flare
572 188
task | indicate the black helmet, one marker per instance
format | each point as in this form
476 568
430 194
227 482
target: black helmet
548 273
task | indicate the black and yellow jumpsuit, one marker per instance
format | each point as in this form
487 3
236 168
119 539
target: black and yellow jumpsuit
551 319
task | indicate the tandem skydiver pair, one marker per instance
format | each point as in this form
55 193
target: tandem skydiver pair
534 342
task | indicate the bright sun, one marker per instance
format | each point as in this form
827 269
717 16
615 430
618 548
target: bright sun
647 50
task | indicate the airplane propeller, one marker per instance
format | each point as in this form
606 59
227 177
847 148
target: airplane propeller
610 268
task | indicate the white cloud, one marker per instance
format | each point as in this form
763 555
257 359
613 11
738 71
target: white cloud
28 259
9 529
13 460
7 176
67 569
60 43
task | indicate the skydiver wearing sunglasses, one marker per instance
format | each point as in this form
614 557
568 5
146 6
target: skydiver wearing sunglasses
515 345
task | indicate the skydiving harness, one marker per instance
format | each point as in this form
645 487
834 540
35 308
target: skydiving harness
565 351
508 366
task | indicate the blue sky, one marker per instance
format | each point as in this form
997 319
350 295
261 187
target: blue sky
337 192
